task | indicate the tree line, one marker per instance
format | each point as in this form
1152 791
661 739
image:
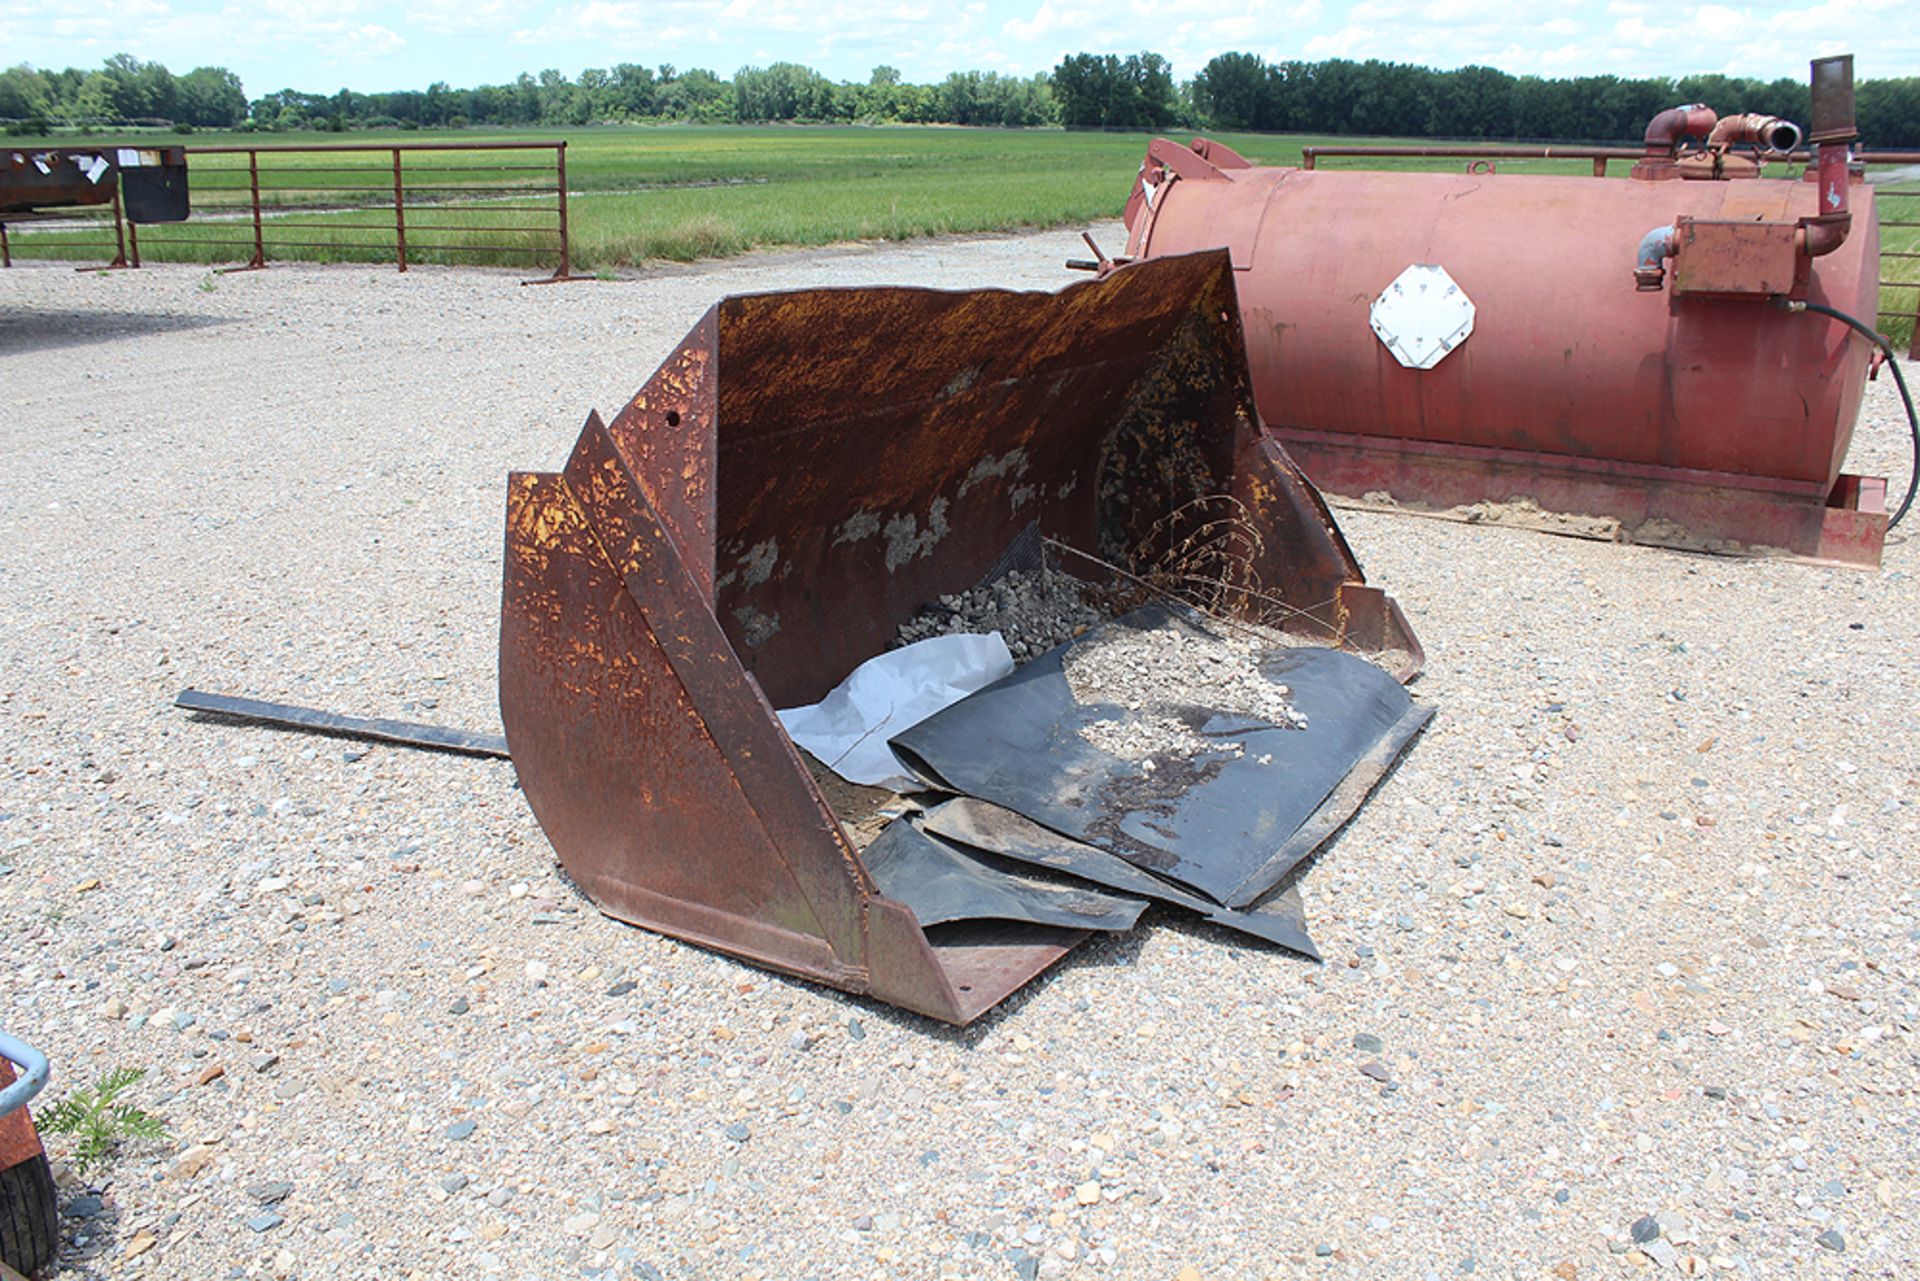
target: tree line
123 91
1234 91
128 91
1241 91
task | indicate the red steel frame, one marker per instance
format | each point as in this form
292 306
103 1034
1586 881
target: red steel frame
1845 527
331 190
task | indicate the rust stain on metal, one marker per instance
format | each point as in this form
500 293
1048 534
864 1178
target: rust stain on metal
18 1139
1736 258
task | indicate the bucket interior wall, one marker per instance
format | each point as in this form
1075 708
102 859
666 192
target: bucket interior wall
877 474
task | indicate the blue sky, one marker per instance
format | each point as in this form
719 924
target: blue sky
322 45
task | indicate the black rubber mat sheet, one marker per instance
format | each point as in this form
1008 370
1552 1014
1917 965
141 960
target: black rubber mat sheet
943 883
1229 826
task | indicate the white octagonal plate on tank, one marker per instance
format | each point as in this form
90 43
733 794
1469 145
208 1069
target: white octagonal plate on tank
1422 316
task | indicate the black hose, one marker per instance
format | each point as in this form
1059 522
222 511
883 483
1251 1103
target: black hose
1893 363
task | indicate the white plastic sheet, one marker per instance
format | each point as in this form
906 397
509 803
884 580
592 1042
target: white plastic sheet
848 729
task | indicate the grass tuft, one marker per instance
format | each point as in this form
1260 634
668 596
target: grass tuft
98 1121
701 236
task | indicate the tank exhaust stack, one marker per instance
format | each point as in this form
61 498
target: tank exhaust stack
1833 137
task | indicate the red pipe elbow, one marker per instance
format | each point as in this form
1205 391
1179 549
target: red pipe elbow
1664 131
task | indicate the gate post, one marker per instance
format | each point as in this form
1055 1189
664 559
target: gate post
399 211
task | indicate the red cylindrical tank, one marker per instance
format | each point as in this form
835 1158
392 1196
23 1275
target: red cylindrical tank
1566 356
1568 366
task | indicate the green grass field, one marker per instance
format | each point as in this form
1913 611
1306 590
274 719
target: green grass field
683 192
647 193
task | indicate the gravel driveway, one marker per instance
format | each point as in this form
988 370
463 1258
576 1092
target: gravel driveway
1628 948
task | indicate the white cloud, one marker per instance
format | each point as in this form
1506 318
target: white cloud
315 43
184 35
454 17
588 21
841 38
709 21
369 40
1048 19
98 21
1187 34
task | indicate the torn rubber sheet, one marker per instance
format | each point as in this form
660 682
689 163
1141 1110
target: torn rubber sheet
980 825
943 883
1229 820
847 731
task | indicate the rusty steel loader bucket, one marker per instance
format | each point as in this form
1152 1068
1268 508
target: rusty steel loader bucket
801 476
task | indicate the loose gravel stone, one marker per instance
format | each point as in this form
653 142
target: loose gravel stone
1033 610
1155 677
1661 1252
306 466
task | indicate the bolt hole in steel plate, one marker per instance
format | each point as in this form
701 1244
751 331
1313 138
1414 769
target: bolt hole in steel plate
1422 316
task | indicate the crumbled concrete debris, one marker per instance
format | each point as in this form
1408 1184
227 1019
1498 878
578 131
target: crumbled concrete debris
1168 684
1146 736
1033 610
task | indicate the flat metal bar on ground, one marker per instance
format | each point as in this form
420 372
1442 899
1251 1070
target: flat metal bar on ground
406 733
